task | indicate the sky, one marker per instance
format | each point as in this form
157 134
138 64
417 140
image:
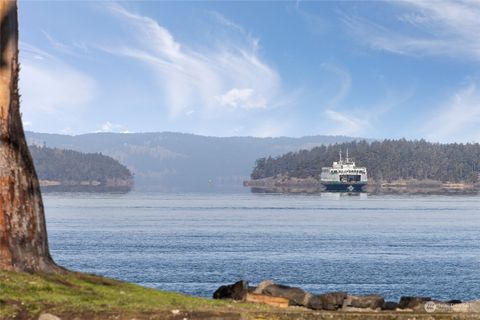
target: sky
374 69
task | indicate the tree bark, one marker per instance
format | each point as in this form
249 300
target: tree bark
23 235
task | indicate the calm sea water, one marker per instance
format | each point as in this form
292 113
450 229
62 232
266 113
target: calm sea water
192 243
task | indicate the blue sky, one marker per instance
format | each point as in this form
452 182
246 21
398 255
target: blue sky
371 69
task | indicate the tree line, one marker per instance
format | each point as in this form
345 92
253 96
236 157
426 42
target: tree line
68 165
385 161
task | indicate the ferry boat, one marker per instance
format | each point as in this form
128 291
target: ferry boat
344 175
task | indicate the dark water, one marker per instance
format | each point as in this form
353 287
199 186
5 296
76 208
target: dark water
391 245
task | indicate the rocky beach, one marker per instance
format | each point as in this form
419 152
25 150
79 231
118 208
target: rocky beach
283 296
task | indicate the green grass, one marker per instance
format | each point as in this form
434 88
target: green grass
81 296
77 293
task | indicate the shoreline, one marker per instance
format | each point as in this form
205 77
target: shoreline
312 185
112 185
81 296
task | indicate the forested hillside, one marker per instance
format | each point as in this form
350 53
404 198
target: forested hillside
169 161
386 161
58 167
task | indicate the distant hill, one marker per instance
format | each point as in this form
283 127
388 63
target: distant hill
68 170
183 162
387 160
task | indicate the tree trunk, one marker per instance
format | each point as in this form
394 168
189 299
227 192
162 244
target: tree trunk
23 235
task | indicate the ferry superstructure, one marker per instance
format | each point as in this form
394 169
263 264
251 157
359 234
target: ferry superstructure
344 175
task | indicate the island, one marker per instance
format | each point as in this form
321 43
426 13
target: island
394 166
63 170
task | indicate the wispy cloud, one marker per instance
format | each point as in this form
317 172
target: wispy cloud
226 74
347 123
75 48
345 83
49 86
448 27
112 127
341 118
241 98
365 120
459 119
226 22
315 23
359 119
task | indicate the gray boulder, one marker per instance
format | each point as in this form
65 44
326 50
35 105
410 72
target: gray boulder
295 296
236 291
373 302
414 303
390 305
455 301
327 301
262 285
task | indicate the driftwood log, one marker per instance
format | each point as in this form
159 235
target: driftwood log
23 236
269 300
